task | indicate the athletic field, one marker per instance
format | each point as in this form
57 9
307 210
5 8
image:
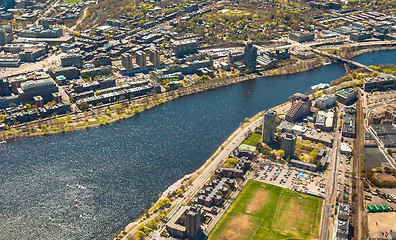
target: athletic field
263 211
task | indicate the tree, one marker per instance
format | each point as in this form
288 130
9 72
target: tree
108 112
279 154
44 128
140 235
246 119
69 118
179 191
2 117
314 154
378 169
232 161
162 216
118 107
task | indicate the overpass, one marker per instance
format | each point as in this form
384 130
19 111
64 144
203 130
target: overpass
351 63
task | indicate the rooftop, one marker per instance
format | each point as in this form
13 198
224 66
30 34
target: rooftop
346 92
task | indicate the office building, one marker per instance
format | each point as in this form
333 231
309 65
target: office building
384 82
141 59
346 95
43 88
184 47
127 61
302 36
269 124
154 57
288 144
72 60
250 56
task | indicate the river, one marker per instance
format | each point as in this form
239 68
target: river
376 58
89 183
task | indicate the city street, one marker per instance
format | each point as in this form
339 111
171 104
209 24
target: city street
326 227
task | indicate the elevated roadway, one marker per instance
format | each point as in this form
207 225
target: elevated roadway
351 63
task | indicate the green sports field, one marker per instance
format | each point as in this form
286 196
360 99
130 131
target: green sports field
263 211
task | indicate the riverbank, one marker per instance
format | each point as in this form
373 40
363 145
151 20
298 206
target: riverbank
371 50
130 231
108 113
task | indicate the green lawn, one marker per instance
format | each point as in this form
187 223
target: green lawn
389 69
72 1
237 12
252 138
263 211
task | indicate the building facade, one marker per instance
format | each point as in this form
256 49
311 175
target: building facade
141 59
250 56
184 47
193 221
269 124
288 144
301 106
72 60
154 57
302 36
127 61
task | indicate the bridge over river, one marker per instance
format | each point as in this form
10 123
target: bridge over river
351 63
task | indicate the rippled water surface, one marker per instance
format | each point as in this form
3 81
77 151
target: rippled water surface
376 58
121 168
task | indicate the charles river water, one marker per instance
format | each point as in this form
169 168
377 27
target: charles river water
92 182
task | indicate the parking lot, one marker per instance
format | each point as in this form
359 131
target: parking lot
291 179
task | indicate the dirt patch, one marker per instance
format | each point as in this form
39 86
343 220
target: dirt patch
258 201
385 177
379 223
239 227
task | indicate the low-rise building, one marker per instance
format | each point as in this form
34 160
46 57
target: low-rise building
184 47
43 88
318 137
349 125
346 95
67 72
326 101
302 36
325 121
72 60
383 82
303 165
